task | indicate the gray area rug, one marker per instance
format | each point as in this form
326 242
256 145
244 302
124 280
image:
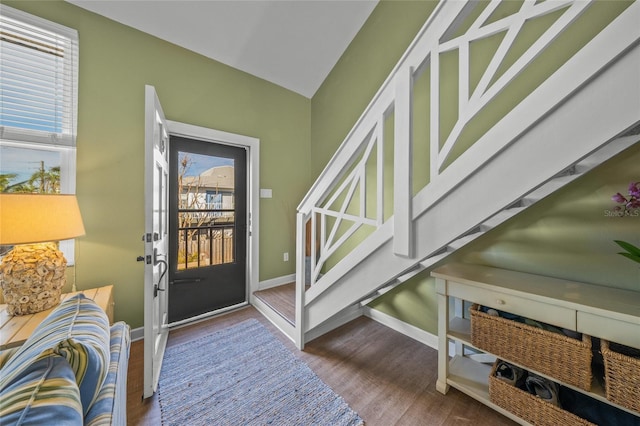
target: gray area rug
243 375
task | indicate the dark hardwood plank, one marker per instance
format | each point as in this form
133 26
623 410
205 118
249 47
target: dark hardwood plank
388 378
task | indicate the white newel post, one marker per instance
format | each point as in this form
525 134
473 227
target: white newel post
403 165
300 278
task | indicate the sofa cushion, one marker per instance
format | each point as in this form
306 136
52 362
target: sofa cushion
6 355
77 330
45 393
110 406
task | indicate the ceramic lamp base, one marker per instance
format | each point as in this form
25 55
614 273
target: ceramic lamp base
32 277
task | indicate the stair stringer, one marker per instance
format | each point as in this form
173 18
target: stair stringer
591 118
600 156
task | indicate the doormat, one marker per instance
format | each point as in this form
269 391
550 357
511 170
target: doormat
243 375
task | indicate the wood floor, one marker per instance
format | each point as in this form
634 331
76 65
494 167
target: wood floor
282 300
386 377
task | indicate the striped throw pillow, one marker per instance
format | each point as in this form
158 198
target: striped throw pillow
46 393
78 331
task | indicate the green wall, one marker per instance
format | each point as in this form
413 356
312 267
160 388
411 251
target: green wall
568 235
360 72
115 64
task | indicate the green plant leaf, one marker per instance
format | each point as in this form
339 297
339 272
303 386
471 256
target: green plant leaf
633 250
630 256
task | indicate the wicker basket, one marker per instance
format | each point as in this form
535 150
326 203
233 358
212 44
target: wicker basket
527 406
622 377
556 355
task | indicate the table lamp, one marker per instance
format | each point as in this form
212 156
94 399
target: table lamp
32 274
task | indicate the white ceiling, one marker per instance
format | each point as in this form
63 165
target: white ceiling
292 43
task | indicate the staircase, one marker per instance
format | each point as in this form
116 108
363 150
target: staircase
373 227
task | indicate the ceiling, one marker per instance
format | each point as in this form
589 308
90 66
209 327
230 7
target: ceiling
292 43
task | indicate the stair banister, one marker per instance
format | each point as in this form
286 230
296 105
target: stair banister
372 119
590 61
395 95
374 110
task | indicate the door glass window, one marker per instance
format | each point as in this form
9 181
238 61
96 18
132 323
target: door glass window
206 210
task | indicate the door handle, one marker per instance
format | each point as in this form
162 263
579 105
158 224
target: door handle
156 289
156 261
186 280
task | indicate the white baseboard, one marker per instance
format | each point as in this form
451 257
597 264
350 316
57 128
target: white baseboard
137 334
407 329
275 282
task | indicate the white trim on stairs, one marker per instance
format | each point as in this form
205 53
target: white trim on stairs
276 282
402 327
274 317
347 315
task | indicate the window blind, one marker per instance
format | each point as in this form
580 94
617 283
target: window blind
38 79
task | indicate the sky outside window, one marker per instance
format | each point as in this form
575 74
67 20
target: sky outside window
24 162
199 163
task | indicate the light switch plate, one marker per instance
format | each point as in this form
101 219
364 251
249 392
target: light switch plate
266 193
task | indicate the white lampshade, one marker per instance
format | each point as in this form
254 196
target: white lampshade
34 218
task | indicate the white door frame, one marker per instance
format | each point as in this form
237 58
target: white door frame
252 145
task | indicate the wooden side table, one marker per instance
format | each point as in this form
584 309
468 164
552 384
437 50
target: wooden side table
14 330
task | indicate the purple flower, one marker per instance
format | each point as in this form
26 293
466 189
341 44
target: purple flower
619 198
630 203
633 204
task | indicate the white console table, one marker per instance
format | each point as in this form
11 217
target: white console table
598 311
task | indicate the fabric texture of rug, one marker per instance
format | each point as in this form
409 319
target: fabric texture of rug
243 375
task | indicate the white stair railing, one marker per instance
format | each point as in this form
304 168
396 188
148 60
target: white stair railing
350 211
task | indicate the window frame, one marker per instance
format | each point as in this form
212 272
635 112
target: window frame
39 136
63 142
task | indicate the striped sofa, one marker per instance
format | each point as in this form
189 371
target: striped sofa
71 371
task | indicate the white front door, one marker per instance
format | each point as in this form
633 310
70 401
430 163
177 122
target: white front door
156 240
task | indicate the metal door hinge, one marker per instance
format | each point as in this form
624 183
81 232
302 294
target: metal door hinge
149 237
